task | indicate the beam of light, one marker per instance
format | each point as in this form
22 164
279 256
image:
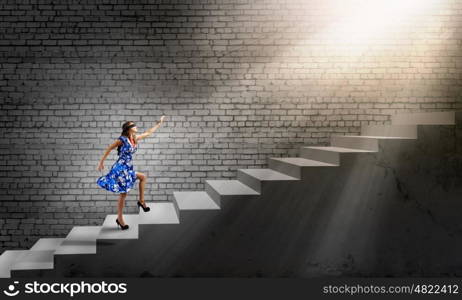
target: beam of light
354 33
364 21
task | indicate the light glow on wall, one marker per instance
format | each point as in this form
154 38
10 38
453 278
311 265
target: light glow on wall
365 21
366 39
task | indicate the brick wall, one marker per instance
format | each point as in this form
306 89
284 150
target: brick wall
239 81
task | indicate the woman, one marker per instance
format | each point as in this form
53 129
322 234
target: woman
121 178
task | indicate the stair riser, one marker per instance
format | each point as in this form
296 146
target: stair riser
47 244
212 193
235 201
285 168
320 155
5 273
355 143
223 200
405 131
121 238
296 171
79 250
176 206
248 180
33 273
58 260
433 118
29 266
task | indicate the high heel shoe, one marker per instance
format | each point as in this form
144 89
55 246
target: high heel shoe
145 209
123 227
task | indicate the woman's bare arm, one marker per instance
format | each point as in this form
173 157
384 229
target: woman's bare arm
116 144
150 130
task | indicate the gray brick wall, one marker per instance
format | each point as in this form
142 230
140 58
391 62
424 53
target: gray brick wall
240 81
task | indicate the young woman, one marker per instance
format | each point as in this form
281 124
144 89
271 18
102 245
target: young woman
121 178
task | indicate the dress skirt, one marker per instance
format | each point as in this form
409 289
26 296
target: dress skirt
122 177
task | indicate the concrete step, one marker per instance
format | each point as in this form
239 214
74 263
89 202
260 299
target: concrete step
328 154
220 190
40 256
159 213
32 260
355 142
425 118
392 131
293 166
47 244
194 200
80 240
362 142
7 259
110 230
255 177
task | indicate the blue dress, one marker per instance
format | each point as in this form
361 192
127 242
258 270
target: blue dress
121 178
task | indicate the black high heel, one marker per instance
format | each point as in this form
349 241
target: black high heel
123 227
145 209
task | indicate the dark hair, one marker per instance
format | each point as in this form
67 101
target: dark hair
125 128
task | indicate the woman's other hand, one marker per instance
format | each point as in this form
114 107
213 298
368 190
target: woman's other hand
100 166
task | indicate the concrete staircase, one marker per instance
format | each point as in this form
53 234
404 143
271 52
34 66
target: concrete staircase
83 240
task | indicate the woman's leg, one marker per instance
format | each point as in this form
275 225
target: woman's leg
120 207
143 178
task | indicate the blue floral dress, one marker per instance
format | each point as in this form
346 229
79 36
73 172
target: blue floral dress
121 178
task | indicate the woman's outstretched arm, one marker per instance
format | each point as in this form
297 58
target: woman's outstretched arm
151 130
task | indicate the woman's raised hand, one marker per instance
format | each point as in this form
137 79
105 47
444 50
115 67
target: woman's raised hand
162 119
